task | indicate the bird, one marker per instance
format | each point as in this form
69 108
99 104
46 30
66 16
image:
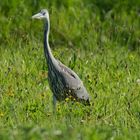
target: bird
64 82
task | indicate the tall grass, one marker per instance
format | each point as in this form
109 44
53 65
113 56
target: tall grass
99 40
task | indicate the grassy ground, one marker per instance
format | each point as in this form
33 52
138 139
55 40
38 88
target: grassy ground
100 41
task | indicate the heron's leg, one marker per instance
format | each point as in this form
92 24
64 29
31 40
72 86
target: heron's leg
54 103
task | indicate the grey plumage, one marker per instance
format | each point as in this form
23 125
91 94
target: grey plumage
62 80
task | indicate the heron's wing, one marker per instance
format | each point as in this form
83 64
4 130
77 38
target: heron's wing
71 78
73 82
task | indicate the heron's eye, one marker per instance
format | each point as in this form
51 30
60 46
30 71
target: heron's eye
43 13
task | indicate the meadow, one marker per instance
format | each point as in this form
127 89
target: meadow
99 40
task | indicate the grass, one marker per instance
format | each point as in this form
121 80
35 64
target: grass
100 43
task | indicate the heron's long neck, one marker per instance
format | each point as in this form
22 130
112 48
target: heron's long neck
47 50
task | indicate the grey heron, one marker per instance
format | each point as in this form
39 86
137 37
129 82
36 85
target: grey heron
63 81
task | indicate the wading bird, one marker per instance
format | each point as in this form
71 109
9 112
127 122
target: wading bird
64 82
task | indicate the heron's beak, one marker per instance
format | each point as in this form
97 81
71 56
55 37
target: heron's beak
37 16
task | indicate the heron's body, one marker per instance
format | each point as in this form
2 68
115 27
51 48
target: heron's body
62 80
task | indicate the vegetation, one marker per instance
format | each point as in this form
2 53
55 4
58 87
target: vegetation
100 40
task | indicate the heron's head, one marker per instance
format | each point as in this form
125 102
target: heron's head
43 14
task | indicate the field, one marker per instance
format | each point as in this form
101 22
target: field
100 41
